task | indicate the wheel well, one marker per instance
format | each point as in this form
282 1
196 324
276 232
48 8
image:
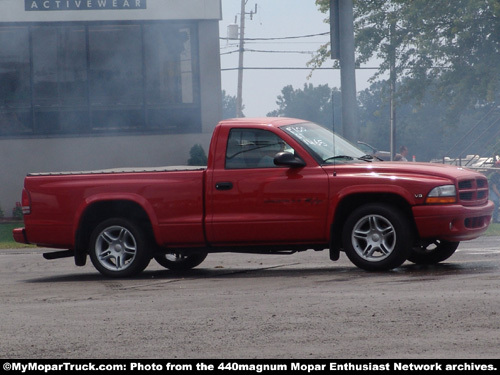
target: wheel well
100 211
352 202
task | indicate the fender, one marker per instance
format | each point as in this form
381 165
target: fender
369 189
108 197
375 189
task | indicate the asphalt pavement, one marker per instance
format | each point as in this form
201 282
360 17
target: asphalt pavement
253 306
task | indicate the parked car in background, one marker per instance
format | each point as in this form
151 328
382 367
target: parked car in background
370 150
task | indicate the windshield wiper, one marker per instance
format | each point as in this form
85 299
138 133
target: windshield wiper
338 157
368 157
347 157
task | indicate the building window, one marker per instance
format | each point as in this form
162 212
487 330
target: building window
60 104
15 96
98 78
116 77
170 76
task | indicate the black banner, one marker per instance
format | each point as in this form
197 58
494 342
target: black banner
257 366
48 5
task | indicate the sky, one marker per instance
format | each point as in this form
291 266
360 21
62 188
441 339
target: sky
276 19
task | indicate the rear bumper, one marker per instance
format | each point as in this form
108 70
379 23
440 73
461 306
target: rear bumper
452 222
19 235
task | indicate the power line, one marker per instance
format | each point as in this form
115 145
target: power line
320 68
267 51
282 38
277 51
292 68
230 52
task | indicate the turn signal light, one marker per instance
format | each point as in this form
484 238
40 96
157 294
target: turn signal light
441 200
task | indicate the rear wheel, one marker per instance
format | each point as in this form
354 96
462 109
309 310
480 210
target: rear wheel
433 252
377 237
179 262
119 248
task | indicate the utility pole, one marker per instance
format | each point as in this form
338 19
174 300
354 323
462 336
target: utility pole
342 46
239 94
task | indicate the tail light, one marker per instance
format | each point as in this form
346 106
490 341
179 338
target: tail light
26 202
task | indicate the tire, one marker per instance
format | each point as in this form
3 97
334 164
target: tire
433 252
119 248
179 262
377 237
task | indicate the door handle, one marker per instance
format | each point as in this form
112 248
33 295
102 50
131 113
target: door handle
224 185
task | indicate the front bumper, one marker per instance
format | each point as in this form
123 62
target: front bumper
452 222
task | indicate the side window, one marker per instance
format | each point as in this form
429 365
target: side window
253 148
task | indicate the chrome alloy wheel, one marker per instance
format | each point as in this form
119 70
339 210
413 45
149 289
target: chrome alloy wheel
115 248
373 238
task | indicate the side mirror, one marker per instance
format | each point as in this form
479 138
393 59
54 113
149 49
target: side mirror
288 159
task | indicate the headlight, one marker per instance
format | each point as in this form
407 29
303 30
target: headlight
442 194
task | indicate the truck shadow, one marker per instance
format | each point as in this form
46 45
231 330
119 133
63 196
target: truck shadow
406 273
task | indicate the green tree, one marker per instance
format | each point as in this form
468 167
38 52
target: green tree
424 127
452 47
421 127
228 105
310 103
197 156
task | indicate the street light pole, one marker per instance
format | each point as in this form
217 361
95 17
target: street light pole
342 46
348 71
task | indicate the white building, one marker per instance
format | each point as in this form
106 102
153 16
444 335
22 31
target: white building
91 84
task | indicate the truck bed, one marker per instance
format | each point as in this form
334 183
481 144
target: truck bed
124 170
171 196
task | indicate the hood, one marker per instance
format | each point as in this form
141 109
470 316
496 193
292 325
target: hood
411 170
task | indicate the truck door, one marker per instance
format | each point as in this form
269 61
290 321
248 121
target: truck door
252 201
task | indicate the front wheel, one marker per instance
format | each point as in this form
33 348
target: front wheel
433 252
119 248
377 237
179 262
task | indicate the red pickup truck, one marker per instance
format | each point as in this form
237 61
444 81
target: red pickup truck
272 185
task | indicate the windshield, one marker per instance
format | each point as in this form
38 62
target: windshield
326 146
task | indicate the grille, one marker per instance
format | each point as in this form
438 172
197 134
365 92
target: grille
473 191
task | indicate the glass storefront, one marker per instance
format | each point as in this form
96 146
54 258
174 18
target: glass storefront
99 78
